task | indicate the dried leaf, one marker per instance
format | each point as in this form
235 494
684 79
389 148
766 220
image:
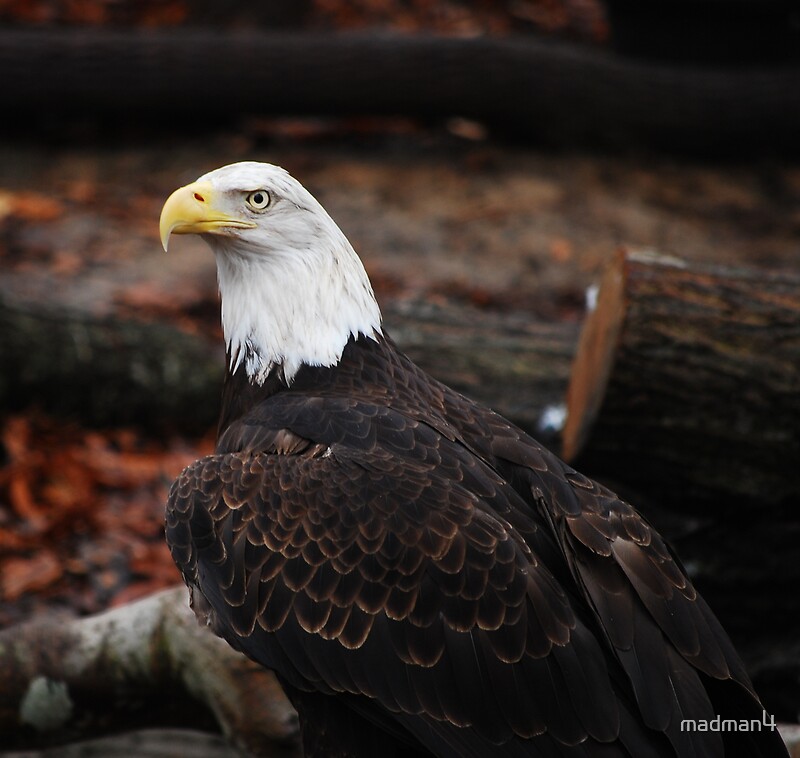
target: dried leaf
21 575
20 497
84 514
29 206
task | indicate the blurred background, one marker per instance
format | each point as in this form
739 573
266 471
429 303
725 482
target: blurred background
486 159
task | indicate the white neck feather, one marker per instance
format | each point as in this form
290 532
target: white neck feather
293 306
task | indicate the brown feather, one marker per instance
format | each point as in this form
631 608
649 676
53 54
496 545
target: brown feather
384 543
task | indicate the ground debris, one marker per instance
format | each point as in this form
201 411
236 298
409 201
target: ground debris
81 515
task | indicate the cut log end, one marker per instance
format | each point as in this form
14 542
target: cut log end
685 380
594 358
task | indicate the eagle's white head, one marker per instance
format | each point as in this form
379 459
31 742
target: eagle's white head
293 289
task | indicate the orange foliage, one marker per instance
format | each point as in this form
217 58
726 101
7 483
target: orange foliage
148 13
29 206
584 19
81 515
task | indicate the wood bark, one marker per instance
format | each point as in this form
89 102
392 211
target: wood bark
686 383
119 371
147 664
107 371
534 88
685 398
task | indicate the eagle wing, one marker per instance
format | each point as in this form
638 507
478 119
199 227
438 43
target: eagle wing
385 571
677 657
363 553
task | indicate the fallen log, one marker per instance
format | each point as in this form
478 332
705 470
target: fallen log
142 743
111 370
685 397
532 87
143 665
686 383
106 370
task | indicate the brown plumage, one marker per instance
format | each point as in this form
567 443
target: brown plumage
426 579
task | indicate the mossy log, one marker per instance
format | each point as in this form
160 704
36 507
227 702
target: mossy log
108 370
114 370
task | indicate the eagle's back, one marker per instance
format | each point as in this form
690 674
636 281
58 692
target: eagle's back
423 575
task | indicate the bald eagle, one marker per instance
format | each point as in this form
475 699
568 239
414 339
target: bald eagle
423 577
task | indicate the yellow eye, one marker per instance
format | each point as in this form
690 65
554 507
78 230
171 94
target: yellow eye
258 200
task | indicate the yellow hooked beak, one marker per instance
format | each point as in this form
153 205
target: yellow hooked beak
192 210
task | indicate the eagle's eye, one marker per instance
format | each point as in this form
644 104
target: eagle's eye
258 200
